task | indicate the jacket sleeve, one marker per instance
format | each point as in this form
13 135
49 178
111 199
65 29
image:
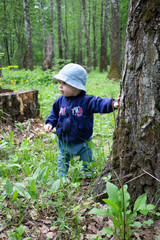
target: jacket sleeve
52 119
101 105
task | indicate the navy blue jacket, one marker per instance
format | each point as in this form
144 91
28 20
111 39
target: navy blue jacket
73 116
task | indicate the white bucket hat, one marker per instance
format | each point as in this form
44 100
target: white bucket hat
74 75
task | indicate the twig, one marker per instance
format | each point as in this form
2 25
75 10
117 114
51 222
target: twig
151 175
135 178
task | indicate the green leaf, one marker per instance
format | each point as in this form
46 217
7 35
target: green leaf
150 207
126 197
15 195
140 203
144 212
116 223
137 224
9 188
107 230
56 185
113 192
114 209
22 191
148 222
98 211
33 185
42 174
36 173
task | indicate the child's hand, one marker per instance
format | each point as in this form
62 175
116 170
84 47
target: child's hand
48 128
116 104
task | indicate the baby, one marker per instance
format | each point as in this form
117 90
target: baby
72 115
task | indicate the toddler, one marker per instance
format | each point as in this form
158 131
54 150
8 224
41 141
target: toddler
72 115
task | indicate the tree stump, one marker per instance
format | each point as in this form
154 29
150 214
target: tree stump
19 105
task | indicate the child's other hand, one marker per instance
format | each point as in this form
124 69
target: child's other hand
48 128
116 104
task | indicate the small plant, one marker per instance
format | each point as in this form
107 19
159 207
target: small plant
125 221
18 234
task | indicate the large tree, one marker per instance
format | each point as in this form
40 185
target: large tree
135 153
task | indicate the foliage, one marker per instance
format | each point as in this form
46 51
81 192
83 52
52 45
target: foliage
28 165
124 219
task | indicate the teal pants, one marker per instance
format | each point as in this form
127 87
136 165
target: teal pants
67 151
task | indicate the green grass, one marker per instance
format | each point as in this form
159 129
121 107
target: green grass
28 168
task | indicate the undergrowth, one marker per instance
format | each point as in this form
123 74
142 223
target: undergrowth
29 189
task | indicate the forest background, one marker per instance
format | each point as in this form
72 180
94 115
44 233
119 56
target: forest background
79 30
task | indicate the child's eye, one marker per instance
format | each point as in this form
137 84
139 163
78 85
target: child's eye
63 83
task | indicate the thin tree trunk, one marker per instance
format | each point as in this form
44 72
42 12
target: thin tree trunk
115 55
52 24
86 37
6 44
66 32
80 53
29 54
94 37
136 144
59 29
103 55
74 35
43 25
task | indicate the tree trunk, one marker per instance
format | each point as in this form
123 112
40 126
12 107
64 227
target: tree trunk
29 55
86 37
136 144
52 24
47 61
80 53
59 29
94 37
6 44
115 55
103 55
44 25
19 105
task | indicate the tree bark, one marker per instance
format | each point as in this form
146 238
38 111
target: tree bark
115 54
103 55
136 143
47 61
94 37
44 25
19 105
59 30
80 52
29 54
86 37
52 24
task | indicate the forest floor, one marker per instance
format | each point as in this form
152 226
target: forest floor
39 222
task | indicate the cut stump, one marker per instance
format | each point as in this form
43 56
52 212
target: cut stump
19 105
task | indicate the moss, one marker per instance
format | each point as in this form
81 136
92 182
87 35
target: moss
144 120
131 67
149 14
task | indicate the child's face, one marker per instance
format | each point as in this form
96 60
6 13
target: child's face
67 90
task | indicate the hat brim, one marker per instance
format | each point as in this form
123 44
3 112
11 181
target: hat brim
69 81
